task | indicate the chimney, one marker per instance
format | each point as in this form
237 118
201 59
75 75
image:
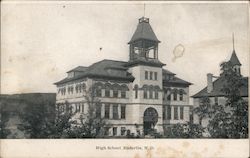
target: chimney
209 82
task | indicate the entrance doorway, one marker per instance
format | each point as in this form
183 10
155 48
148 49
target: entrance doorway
150 118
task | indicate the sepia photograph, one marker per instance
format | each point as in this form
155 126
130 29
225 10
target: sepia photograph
124 71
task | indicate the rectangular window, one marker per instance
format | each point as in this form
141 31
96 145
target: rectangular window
181 96
123 112
98 110
176 113
77 107
115 111
82 107
98 92
123 130
181 113
150 94
156 95
106 114
114 131
169 97
136 94
107 93
146 75
155 73
169 113
115 94
106 129
175 95
151 75
145 94
123 94
216 100
164 113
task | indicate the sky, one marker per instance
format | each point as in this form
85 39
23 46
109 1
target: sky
41 41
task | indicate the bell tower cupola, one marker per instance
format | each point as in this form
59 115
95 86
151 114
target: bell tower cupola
143 45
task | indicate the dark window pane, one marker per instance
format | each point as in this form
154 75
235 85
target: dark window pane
146 75
123 112
169 97
123 94
145 94
151 75
106 115
106 131
98 110
156 94
175 95
123 130
114 131
181 95
181 113
169 113
155 75
176 113
216 100
107 93
115 111
115 93
82 107
98 92
150 94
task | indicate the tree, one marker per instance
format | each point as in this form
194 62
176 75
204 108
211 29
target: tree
92 124
230 120
187 130
4 118
204 110
219 125
37 118
63 123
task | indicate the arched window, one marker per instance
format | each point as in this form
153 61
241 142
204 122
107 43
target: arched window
175 94
150 94
145 93
98 91
107 92
156 94
181 95
169 96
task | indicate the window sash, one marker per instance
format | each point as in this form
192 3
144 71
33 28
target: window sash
155 73
156 95
146 75
106 113
176 113
151 75
145 94
150 94
169 112
98 110
123 94
107 93
123 112
114 131
115 93
181 113
123 130
115 112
